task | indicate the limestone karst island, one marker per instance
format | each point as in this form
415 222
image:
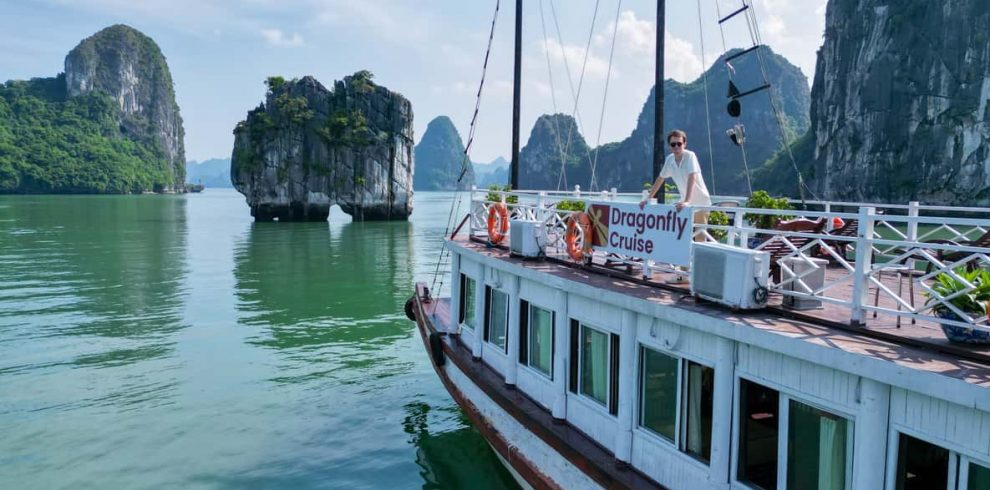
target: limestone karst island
643 244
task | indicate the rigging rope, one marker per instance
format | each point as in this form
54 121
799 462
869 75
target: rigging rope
754 31
458 197
601 117
553 95
708 111
576 94
751 15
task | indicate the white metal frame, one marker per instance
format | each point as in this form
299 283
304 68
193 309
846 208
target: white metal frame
884 241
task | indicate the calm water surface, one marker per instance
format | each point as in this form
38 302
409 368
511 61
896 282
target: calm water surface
169 341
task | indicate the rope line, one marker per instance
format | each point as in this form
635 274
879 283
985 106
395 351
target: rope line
708 111
601 117
443 258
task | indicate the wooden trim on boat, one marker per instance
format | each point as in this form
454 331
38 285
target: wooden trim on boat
596 462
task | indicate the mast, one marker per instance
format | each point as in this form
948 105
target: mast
658 140
516 82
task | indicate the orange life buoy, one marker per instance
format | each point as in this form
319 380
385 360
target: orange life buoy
498 222
575 250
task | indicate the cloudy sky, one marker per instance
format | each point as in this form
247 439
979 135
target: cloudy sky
429 50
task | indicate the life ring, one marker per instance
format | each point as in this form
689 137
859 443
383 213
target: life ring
410 309
574 249
436 349
498 222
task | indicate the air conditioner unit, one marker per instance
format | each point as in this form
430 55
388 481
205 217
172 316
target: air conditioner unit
525 237
732 276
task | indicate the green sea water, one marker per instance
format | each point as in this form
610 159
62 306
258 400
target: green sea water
170 342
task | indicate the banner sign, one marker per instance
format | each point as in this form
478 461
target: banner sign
656 232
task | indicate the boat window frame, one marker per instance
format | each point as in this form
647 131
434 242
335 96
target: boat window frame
679 444
959 459
965 465
526 330
608 363
489 301
784 398
463 306
641 394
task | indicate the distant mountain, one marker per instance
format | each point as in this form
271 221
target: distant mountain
627 165
214 172
108 124
493 172
440 157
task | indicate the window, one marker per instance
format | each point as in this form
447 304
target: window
921 465
690 426
536 332
594 366
759 425
658 412
497 318
468 315
979 477
700 390
816 445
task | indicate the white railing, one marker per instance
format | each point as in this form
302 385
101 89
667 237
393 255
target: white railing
880 251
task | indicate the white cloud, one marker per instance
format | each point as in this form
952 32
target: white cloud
573 57
275 37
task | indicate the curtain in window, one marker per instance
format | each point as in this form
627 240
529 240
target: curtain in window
594 366
694 437
541 340
469 316
499 320
831 455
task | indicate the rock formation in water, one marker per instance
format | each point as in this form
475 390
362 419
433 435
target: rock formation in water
123 63
627 165
440 159
900 102
109 124
307 148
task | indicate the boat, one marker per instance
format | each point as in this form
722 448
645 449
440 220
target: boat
803 356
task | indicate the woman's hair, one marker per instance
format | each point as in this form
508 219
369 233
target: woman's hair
677 132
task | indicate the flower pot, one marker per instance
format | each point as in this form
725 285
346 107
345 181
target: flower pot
963 335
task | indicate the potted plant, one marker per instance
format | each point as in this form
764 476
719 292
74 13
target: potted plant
763 200
972 299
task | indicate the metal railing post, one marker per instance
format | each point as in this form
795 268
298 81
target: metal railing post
737 223
864 264
912 234
828 217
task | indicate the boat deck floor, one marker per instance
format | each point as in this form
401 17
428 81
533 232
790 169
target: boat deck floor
919 345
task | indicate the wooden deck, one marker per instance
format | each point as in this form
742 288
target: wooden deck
918 345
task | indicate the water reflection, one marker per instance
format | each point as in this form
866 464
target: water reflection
314 284
92 267
452 458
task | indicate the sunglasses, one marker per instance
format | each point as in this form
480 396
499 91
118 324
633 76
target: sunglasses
676 144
